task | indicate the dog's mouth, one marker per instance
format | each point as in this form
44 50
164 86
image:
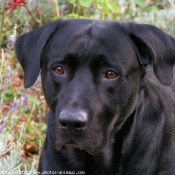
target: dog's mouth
72 144
90 141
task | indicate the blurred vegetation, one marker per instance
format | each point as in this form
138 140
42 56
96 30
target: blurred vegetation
23 112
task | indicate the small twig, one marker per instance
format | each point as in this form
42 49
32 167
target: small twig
30 13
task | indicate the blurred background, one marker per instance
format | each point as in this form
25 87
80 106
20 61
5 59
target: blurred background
23 112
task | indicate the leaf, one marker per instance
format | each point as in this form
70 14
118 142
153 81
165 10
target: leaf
9 95
113 7
44 127
34 101
85 3
71 1
101 5
141 3
151 8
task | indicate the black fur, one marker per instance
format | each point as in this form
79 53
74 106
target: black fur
124 125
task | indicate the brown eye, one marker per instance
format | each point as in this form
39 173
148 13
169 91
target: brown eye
59 70
111 74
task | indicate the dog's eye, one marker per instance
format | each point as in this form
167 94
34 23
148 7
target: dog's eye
59 70
111 74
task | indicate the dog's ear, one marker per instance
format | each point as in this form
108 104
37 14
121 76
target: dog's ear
154 47
29 48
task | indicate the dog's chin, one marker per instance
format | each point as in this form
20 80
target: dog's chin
75 145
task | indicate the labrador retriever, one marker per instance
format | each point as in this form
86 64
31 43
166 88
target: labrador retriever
109 87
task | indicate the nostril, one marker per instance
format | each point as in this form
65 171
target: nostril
78 127
64 125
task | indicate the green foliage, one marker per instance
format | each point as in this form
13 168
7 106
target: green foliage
107 6
85 3
141 3
10 163
8 95
10 154
94 9
34 100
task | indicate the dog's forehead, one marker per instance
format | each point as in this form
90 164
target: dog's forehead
86 39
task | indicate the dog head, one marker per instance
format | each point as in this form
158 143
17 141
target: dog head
92 72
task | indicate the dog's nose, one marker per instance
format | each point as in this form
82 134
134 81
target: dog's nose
75 121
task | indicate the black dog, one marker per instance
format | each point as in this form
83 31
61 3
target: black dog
111 113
